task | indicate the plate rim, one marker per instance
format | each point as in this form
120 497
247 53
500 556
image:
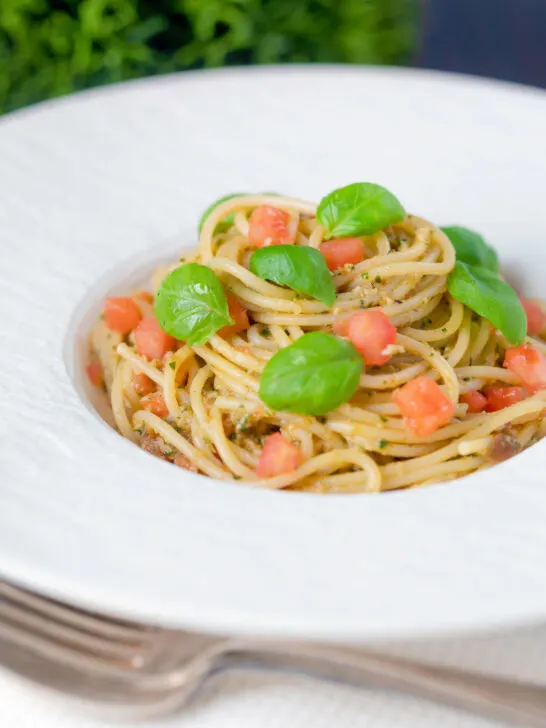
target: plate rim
62 587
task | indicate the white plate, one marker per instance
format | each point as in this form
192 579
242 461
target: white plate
89 186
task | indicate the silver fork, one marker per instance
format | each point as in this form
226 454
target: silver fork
148 671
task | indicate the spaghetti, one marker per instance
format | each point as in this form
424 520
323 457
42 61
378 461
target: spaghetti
200 405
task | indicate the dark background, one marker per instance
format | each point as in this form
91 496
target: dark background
499 38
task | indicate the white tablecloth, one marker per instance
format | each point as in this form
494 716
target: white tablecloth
251 699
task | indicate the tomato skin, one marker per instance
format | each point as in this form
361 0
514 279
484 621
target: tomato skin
270 226
499 397
475 400
536 317
370 332
341 251
121 314
528 364
278 456
155 404
151 341
143 385
238 314
94 372
424 406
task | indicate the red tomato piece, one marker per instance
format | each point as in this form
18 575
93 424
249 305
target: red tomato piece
94 372
278 456
121 314
270 226
371 333
499 397
475 400
238 314
155 404
151 341
340 251
142 384
528 364
536 317
423 405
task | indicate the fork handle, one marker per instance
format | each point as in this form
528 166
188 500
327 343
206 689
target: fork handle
517 703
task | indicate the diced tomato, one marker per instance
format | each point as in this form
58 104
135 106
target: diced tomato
475 400
238 314
145 296
94 372
341 327
423 405
270 226
155 404
278 456
340 251
142 384
151 341
528 364
536 316
499 397
121 314
371 333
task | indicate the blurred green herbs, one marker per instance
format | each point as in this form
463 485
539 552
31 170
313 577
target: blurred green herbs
51 47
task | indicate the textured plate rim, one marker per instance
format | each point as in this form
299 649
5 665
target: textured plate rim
431 501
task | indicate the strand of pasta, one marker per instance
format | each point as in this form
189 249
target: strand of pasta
172 437
174 366
331 461
117 401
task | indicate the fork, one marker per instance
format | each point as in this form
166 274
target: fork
145 671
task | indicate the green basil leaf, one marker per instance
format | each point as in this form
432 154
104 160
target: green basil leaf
223 225
471 248
484 292
301 268
315 375
358 209
191 304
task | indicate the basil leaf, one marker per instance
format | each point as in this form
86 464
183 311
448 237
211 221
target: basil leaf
485 293
301 268
223 225
191 304
358 209
312 376
471 248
